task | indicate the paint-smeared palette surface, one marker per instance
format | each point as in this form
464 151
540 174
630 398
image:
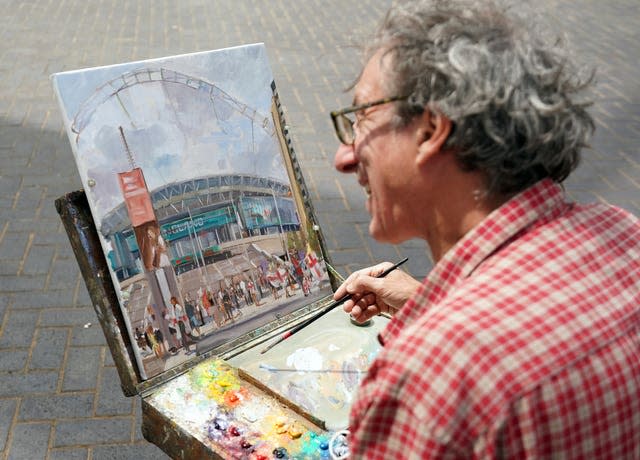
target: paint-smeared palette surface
319 368
236 419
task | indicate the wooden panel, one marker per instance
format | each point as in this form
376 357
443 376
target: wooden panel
74 211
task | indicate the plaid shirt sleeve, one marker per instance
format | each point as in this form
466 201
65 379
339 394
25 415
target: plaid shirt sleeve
523 342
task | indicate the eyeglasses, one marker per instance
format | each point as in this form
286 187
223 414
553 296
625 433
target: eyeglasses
344 125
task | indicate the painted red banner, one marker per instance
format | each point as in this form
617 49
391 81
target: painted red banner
136 197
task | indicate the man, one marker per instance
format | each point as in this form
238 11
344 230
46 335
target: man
524 340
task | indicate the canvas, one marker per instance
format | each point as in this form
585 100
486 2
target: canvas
185 171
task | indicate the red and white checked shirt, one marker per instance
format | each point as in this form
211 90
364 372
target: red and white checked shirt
523 342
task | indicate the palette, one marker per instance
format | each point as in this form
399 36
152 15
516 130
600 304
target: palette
236 419
318 369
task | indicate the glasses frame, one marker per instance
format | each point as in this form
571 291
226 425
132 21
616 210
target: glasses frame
336 115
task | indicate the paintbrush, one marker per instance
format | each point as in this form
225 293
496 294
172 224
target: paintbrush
326 310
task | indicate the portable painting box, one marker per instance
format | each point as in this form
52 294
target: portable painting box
197 240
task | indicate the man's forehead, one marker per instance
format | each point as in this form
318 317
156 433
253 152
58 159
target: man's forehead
369 84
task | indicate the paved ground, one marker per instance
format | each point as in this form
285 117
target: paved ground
59 393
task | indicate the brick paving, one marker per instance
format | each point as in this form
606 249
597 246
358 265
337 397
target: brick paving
59 395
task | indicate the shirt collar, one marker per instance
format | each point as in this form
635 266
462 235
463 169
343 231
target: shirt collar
545 198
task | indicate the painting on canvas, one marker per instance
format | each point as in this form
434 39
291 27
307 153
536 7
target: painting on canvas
185 171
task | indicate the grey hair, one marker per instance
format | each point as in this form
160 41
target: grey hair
513 95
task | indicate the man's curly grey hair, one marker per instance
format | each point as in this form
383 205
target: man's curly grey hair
514 97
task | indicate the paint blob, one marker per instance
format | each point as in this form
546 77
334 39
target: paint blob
305 359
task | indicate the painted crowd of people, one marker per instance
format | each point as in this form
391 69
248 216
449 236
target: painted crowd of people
179 325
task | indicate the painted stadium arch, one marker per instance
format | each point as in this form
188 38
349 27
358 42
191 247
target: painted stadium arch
222 102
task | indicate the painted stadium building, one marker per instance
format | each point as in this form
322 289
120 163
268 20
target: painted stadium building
207 219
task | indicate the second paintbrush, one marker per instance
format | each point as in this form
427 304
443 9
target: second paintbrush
326 310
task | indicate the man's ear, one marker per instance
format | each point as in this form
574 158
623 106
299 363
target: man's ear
433 133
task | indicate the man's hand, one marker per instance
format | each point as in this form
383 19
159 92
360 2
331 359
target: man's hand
372 296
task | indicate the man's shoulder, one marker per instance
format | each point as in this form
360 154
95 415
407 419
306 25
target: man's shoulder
604 215
511 325
574 247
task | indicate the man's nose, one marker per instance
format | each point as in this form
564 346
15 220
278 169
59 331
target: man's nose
345 159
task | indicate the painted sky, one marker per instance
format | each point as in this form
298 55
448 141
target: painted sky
218 123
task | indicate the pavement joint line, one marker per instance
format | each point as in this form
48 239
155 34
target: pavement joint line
47 279
342 194
63 364
372 258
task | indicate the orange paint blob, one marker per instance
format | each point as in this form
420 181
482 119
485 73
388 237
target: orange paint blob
234 397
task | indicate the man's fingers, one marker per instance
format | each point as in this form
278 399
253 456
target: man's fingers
348 305
363 315
365 301
348 286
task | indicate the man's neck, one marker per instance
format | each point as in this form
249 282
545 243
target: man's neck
461 202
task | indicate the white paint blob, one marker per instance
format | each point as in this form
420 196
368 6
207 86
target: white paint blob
305 359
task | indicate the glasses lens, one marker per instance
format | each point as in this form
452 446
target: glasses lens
345 129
